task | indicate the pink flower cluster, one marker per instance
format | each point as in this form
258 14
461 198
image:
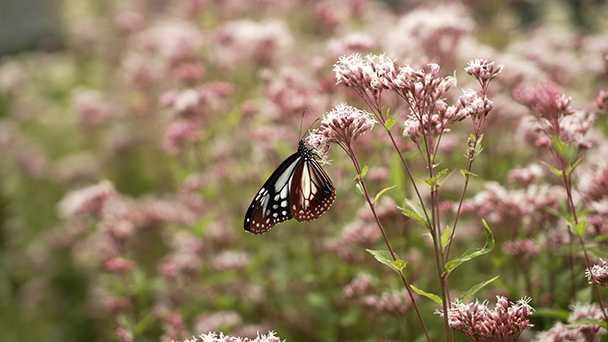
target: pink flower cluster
555 116
423 91
598 274
215 337
342 126
522 249
480 323
584 332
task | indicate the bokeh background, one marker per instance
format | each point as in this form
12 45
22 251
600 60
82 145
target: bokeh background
135 133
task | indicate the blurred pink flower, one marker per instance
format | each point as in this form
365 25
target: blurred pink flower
89 200
433 31
116 305
91 107
244 41
395 302
124 335
180 134
218 320
173 326
173 39
554 116
129 21
358 286
76 168
526 175
12 77
362 233
349 44
230 260
516 209
584 332
119 265
523 250
601 101
190 71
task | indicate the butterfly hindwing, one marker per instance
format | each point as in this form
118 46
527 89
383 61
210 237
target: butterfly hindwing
312 192
299 188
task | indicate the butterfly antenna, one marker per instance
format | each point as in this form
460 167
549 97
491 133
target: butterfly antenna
301 122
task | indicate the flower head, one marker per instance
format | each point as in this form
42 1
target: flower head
504 323
483 70
354 71
215 337
598 274
342 126
601 102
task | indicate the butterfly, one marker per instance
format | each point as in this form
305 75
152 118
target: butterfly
299 188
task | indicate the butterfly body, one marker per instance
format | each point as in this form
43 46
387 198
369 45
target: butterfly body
299 188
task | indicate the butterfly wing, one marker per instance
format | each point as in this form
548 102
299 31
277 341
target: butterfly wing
312 192
271 204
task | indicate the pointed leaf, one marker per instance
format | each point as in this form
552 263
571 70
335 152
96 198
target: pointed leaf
382 192
144 323
555 171
389 123
359 189
363 172
385 257
473 252
478 147
573 166
415 212
431 181
431 296
579 229
470 292
446 178
445 237
466 173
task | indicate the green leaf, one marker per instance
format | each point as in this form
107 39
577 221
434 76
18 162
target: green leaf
579 229
470 292
382 192
385 257
397 176
467 173
587 321
445 237
574 165
363 172
568 151
389 123
446 178
478 147
398 265
561 314
473 252
430 296
415 212
431 181
555 171
359 189
144 323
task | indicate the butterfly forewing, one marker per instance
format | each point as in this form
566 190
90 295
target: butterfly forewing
271 204
299 188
